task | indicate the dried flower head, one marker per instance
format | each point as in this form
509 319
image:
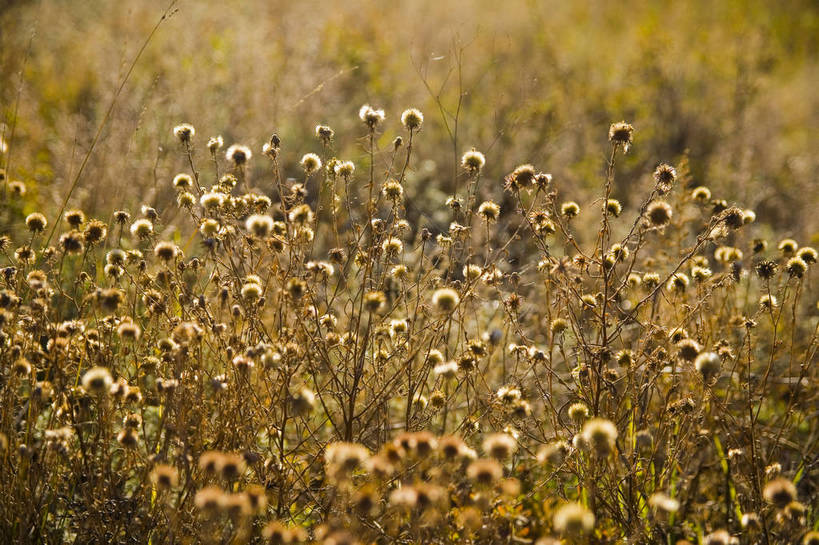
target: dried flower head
451 447
600 435
371 116
231 466
701 194
184 132
484 471
182 181
16 188
296 288
678 283
689 349
719 537
344 169
500 445
412 119
74 218
303 401
660 501
708 364
766 269
521 178
788 246
95 232
664 176
578 412
166 251
573 519
324 133
374 301
97 380
209 499
310 162
559 325
796 267
553 453
807 254
259 225
36 222
621 134
473 161
128 331
342 459
215 143
72 242
489 211
659 213
445 300
570 209
164 476
701 274
238 154
301 214
393 190
750 521
779 492
122 217
128 437
392 246
447 370
733 217
142 228
614 207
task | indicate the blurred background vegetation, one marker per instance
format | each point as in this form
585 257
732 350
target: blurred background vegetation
731 84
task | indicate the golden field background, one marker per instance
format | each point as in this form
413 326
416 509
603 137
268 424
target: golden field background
730 83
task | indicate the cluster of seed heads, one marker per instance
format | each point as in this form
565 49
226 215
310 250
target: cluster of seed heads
302 359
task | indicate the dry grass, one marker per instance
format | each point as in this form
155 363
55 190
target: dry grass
367 332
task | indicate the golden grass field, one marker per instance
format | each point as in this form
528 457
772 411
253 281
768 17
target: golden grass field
426 272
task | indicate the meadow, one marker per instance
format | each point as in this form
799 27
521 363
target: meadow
433 272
